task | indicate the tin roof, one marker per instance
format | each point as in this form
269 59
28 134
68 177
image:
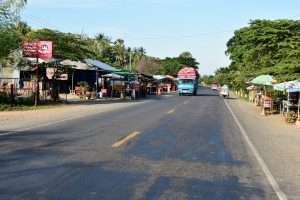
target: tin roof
100 65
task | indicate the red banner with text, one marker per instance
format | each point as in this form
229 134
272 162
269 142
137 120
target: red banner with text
37 49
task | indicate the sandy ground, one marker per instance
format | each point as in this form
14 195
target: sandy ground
19 120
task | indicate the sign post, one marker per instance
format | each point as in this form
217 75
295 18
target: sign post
37 49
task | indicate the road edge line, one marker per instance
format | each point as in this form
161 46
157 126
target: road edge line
280 194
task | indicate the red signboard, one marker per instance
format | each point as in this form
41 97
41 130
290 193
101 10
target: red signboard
37 49
30 49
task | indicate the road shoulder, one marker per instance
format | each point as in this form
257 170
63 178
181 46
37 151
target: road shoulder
277 142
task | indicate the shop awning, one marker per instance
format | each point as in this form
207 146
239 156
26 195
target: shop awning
289 86
100 65
112 76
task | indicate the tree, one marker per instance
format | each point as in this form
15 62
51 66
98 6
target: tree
148 66
102 47
65 45
265 47
171 66
8 41
10 11
9 17
187 59
21 29
207 79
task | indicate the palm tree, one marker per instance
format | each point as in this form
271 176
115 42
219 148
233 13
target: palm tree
103 46
119 51
141 52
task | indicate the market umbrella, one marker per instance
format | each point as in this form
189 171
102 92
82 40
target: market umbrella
263 80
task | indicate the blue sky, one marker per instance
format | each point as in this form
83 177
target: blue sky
165 28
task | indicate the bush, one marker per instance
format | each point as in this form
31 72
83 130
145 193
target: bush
4 98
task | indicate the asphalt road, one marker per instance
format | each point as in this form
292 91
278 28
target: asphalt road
179 147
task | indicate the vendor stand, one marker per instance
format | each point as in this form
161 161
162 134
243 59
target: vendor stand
116 84
290 106
293 106
264 100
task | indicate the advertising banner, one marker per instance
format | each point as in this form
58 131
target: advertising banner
29 49
37 49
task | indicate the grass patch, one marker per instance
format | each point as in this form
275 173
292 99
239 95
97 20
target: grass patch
8 107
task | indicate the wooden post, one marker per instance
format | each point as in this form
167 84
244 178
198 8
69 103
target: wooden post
12 94
37 95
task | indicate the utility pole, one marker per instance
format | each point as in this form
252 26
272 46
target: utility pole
97 83
37 92
130 60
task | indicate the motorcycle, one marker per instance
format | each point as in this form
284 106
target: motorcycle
224 93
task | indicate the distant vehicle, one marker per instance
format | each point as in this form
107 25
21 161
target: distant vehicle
188 81
215 86
224 92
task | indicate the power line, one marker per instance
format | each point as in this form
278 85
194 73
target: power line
178 36
40 20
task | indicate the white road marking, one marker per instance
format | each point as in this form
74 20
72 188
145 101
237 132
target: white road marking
171 111
261 162
185 102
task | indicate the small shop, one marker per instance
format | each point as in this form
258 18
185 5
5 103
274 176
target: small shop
165 84
289 105
281 98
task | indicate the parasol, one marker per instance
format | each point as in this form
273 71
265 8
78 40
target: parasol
263 80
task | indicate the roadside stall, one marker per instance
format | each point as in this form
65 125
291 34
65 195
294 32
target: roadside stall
166 84
252 93
290 106
144 80
264 97
116 85
160 84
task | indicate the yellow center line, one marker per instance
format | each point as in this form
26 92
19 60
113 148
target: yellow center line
171 111
125 139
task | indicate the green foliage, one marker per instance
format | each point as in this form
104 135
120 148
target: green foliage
65 45
171 66
84 85
4 98
206 79
8 41
10 11
265 47
148 66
